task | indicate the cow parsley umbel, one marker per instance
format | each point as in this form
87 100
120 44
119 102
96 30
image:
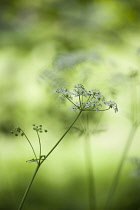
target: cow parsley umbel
88 100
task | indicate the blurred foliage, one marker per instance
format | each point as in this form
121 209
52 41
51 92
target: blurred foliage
49 43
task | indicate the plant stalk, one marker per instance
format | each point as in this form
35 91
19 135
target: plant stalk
39 163
62 137
118 173
28 187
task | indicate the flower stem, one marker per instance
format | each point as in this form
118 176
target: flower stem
40 162
62 136
39 145
28 187
30 145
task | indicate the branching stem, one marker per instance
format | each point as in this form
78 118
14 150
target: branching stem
30 145
41 161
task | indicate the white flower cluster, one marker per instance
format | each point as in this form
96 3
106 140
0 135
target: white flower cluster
91 100
64 93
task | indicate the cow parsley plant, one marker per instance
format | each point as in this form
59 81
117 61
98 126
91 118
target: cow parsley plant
82 100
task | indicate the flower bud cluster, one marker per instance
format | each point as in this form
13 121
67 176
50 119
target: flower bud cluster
38 128
18 131
88 100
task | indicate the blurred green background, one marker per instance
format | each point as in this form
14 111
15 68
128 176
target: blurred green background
45 44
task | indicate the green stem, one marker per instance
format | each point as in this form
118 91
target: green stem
39 145
28 187
89 98
62 137
30 145
118 173
95 110
80 102
71 102
40 162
